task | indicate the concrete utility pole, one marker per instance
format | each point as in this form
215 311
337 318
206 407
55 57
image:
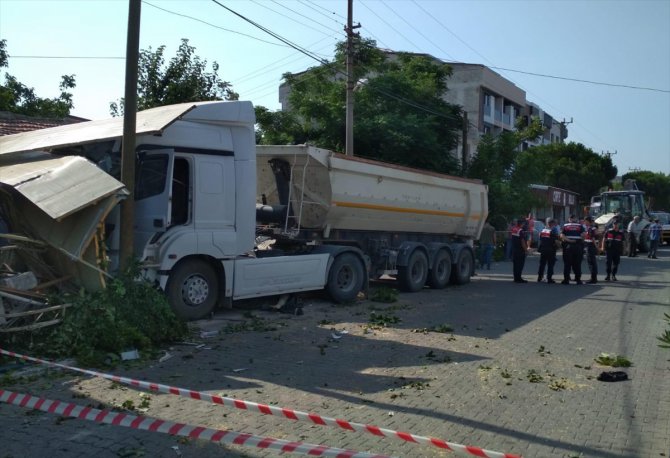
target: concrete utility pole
349 123
128 144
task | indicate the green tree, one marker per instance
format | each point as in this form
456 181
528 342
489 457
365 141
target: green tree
399 113
18 98
184 79
570 166
656 186
495 164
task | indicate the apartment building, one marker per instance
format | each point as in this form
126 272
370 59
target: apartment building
491 102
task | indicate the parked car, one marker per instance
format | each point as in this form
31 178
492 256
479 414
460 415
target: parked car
664 220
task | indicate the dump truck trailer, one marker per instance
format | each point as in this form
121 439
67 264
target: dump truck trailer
415 225
218 219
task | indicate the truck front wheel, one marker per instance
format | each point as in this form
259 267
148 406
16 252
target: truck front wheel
413 276
192 289
346 278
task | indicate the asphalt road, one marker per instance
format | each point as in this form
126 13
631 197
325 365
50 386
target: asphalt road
513 371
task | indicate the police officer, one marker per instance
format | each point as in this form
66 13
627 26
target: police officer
572 236
547 246
519 247
612 243
590 241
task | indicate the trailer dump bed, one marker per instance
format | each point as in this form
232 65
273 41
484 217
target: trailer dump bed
333 191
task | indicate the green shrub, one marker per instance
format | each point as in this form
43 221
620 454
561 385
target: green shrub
128 314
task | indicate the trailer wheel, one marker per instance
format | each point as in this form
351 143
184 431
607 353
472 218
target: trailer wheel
464 264
441 271
413 276
192 289
346 278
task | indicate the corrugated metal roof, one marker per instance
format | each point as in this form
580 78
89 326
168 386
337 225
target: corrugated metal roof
60 185
150 121
13 123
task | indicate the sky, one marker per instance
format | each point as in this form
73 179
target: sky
620 50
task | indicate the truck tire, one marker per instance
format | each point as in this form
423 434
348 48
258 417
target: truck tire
441 272
345 278
192 289
463 268
414 275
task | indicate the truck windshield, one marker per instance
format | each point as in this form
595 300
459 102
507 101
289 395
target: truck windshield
631 204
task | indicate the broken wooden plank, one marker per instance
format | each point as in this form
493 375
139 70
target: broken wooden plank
53 282
22 238
31 327
23 292
36 311
14 297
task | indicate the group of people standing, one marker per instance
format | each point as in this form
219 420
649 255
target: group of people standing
577 240
635 229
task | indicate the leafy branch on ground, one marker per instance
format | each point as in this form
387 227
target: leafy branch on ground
384 294
534 377
379 321
605 359
254 323
441 328
128 314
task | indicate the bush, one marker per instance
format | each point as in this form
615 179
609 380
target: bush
128 314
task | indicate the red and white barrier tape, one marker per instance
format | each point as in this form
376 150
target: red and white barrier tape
465 450
222 436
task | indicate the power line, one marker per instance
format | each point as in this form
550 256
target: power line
302 15
599 83
68 57
328 64
432 16
389 25
212 25
307 4
271 33
492 66
414 28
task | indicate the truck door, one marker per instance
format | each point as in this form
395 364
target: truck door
153 179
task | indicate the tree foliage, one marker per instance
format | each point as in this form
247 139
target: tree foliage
570 166
18 98
399 113
656 187
495 164
184 79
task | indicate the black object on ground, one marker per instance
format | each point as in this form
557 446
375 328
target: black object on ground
613 376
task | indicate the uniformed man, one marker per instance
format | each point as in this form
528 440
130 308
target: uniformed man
519 248
612 243
590 243
572 238
547 246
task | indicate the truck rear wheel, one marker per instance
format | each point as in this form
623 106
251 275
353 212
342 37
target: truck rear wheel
346 278
441 271
413 276
464 265
192 289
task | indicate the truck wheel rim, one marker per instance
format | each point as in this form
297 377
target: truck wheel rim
345 278
195 290
417 271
